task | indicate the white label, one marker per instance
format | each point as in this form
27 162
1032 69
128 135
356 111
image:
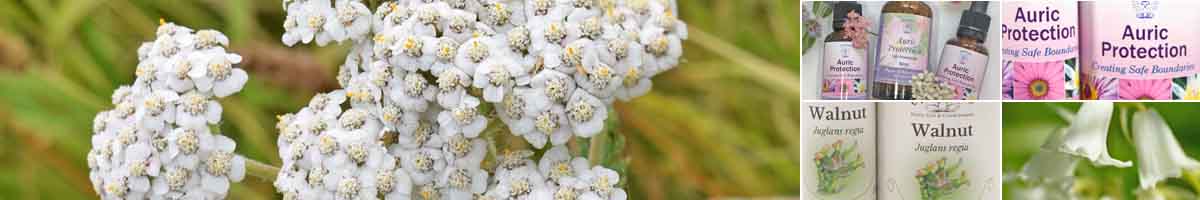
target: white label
839 150
939 150
963 70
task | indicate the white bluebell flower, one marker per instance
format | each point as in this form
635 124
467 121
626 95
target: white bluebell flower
1088 132
1159 154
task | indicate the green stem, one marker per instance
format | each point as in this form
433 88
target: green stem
767 73
261 170
594 148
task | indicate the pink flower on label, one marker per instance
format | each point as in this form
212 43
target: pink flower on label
1099 88
1038 81
856 29
1159 89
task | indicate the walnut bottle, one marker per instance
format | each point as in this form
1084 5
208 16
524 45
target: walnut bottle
939 150
844 66
905 28
839 151
964 60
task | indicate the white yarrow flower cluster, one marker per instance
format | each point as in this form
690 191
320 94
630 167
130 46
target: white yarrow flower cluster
424 78
158 141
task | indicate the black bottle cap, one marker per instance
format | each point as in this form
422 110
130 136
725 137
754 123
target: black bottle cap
974 22
839 12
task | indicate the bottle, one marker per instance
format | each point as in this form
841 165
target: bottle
903 48
1138 50
964 59
1041 44
844 66
839 150
939 150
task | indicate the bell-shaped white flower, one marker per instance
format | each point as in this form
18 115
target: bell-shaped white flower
1050 165
1159 154
1088 132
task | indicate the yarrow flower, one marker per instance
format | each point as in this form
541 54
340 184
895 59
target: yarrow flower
927 87
427 80
157 142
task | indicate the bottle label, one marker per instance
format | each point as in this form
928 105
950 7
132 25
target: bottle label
1139 50
963 70
939 150
903 48
1041 44
839 150
845 72
1040 31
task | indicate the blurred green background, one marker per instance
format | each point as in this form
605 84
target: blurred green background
1027 125
720 125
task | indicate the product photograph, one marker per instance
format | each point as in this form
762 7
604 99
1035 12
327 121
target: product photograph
1012 100
399 99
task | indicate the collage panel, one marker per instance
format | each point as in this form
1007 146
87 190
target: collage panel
901 150
901 50
1086 100
1101 150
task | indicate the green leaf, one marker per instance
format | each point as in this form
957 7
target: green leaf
822 9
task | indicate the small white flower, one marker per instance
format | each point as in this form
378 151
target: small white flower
451 86
352 20
413 52
411 91
554 85
463 118
464 152
498 75
423 164
586 114
213 71
558 166
457 24
519 183
473 52
463 182
1159 154
196 109
220 166
602 184
1088 132
155 110
514 108
663 50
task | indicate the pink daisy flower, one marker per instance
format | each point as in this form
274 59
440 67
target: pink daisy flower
1095 88
1038 81
1159 89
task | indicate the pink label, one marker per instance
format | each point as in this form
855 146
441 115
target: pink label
1040 31
1141 40
845 72
963 70
903 48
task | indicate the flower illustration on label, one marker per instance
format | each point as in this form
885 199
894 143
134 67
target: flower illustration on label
835 163
939 180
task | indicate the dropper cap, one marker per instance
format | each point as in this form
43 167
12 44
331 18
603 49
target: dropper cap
840 9
974 22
